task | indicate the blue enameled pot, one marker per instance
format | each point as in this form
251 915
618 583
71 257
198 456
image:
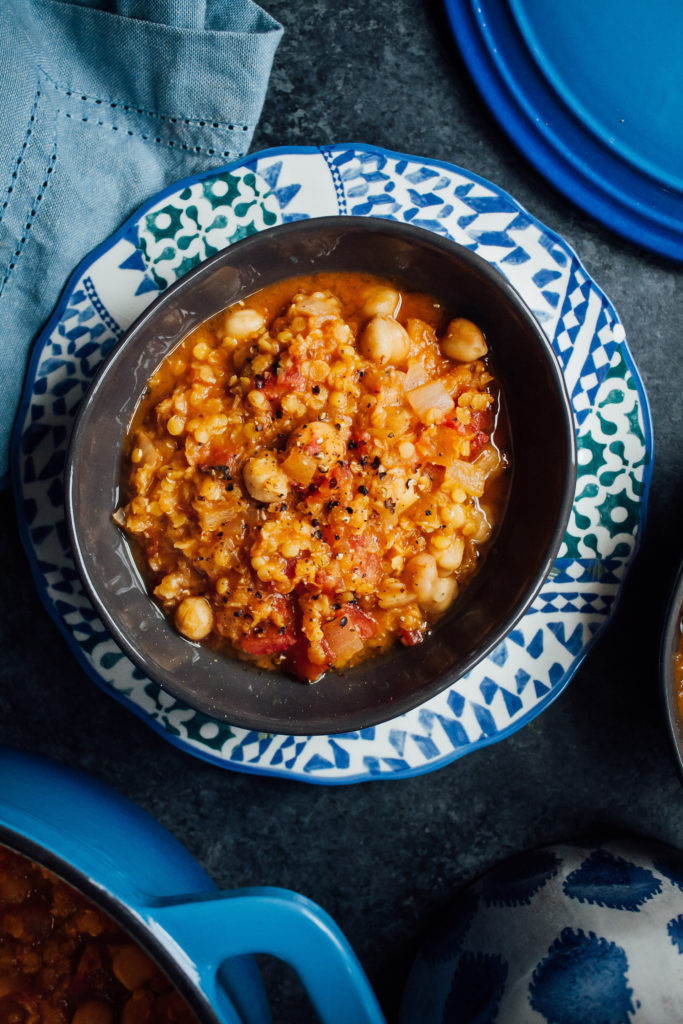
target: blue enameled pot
133 869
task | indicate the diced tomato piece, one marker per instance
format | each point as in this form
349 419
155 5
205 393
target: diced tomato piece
218 459
300 665
291 380
478 430
482 420
269 641
441 445
477 444
347 633
271 637
330 578
368 563
359 439
364 623
336 486
343 641
332 535
411 637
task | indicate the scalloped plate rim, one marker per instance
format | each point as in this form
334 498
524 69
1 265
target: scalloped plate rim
186 745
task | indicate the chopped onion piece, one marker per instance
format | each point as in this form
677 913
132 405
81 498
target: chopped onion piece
488 460
468 476
415 376
212 517
300 467
431 401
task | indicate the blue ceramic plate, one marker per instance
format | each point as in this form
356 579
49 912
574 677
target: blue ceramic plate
593 96
197 217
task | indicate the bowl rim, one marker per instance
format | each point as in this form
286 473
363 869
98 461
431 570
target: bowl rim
368 717
671 631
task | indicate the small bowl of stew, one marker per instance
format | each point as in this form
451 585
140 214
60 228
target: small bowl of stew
322 476
671 668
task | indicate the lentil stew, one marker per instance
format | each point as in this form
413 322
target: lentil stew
315 472
64 961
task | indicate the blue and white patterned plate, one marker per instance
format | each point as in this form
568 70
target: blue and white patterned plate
194 219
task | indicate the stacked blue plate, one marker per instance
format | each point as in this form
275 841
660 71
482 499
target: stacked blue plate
593 95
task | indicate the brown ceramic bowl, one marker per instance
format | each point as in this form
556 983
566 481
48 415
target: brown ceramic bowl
541 490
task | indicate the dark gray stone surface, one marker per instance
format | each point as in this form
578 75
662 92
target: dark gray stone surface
383 857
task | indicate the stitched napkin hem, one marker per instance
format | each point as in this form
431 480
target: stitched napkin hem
205 74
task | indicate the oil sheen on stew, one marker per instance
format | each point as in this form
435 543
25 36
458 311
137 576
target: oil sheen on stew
63 961
314 473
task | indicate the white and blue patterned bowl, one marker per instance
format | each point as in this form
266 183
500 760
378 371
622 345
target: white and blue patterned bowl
190 221
572 934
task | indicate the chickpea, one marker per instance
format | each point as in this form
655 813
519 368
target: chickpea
384 340
421 574
319 440
132 967
14 889
138 1008
93 1011
450 559
443 594
478 527
433 593
380 301
464 341
242 324
9 983
194 618
264 479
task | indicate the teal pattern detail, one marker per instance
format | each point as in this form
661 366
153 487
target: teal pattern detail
612 457
197 222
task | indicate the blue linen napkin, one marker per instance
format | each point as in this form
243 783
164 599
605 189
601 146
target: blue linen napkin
103 103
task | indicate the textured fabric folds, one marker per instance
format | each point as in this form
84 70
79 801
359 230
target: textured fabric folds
103 103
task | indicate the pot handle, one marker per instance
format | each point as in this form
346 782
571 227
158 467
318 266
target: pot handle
212 928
